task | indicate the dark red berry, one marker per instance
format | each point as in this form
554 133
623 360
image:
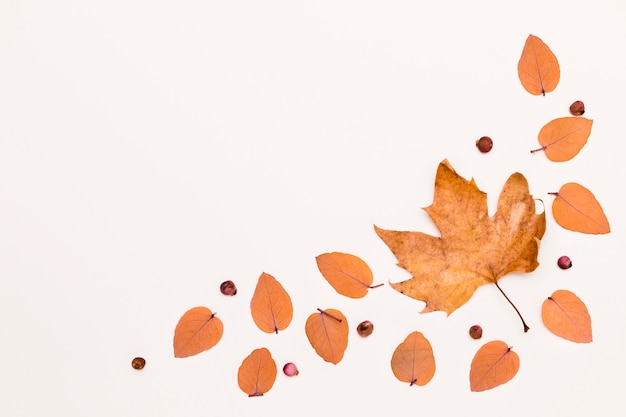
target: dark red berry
290 369
365 328
228 288
564 262
484 144
577 108
138 363
476 332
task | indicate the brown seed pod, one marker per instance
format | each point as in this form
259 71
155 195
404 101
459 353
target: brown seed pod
577 108
484 144
138 363
476 332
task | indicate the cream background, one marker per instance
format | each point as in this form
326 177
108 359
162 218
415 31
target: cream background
150 150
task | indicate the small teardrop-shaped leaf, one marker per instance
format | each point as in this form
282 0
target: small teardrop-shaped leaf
413 360
348 274
565 315
257 373
494 364
327 332
576 208
561 139
197 330
538 69
271 305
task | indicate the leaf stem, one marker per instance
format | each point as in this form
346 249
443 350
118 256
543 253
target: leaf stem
376 286
329 315
526 328
538 149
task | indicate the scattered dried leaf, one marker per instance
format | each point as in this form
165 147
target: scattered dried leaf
538 69
576 208
327 331
198 330
271 305
565 315
562 139
494 364
413 360
257 373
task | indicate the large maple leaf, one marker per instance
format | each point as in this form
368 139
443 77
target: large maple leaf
474 248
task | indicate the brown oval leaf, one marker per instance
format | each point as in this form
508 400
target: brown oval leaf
538 69
327 331
494 364
561 139
413 360
257 373
271 306
349 275
197 330
576 208
565 315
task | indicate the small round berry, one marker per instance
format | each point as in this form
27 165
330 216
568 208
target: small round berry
290 369
228 288
138 363
564 262
476 332
484 144
577 108
365 328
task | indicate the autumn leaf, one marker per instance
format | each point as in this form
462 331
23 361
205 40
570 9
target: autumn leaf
538 69
474 249
349 275
257 373
576 208
197 330
327 331
413 360
271 306
561 139
565 315
494 364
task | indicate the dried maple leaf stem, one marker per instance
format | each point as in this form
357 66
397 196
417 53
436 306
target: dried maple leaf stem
329 315
526 328
375 286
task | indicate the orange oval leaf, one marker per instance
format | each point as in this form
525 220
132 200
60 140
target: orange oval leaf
561 139
327 331
576 208
257 373
494 364
349 275
538 69
565 315
271 306
197 330
413 360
